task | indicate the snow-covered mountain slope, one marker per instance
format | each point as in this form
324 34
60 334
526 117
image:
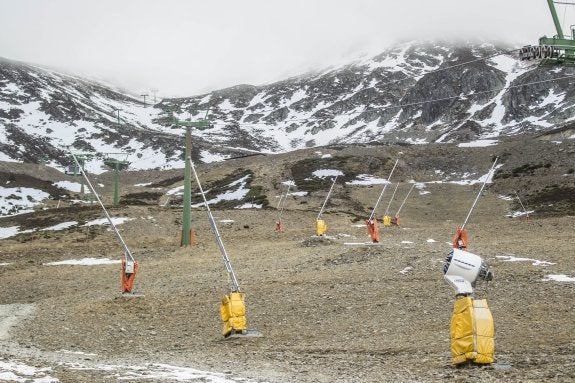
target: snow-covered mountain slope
411 93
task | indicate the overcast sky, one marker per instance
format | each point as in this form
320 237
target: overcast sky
189 47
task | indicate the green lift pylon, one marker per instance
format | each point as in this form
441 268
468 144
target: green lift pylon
187 203
77 168
556 50
117 165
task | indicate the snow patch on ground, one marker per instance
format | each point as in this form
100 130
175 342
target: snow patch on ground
85 262
535 262
406 270
162 372
104 221
20 200
558 278
366 179
322 173
61 226
7 232
15 371
477 144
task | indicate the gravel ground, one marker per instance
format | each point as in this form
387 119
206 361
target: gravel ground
329 311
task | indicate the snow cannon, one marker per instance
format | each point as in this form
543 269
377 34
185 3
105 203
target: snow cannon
462 269
320 227
372 229
232 306
386 220
129 270
472 329
233 314
460 239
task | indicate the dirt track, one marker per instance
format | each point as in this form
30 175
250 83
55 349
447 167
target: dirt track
330 312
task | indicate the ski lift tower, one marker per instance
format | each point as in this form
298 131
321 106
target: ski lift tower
556 50
112 161
77 167
201 124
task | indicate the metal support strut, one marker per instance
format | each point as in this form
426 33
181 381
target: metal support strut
235 285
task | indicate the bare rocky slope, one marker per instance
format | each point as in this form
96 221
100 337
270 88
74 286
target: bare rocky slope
329 310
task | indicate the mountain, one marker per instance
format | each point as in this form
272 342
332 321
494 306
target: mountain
413 93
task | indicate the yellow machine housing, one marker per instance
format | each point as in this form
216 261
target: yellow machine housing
472 332
320 227
386 220
233 313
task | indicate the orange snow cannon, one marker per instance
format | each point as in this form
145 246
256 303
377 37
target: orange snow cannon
129 269
460 240
279 227
372 229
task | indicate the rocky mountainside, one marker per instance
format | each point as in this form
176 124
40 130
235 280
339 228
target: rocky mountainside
413 93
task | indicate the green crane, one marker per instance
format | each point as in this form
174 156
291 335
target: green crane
201 124
556 50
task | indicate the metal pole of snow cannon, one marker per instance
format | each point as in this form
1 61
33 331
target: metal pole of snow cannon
522 206
403 203
479 194
326 199
281 205
236 286
383 191
232 308
387 218
320 225
371 222
460 240
129 264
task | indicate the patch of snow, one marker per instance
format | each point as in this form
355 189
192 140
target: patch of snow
431 240
144 184
406 242
477 144
535 262
15 371
176 191
20 200
71 186
516 214
162 373
558 278
104 221
322 173
85 262
7 232
208 157
366 179
299 193
250 206
406 270
61 226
